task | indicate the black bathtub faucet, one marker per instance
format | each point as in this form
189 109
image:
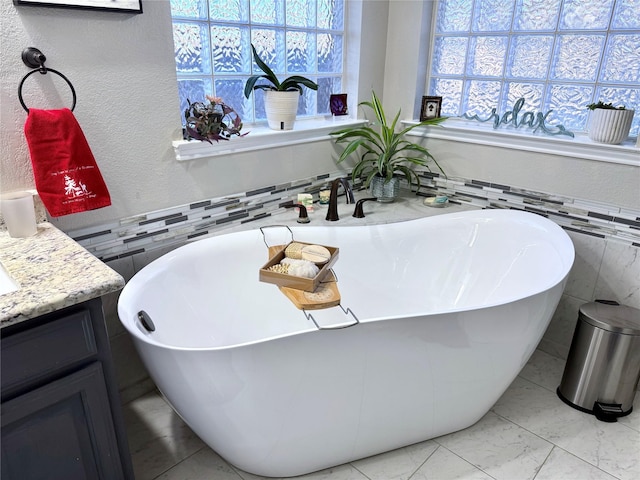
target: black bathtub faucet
332 213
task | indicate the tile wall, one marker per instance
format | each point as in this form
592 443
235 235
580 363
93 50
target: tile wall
606 240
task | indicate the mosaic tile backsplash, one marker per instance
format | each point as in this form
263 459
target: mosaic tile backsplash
177 225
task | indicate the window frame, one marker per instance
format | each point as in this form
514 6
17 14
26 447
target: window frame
254 103
307 129
504 79
458 129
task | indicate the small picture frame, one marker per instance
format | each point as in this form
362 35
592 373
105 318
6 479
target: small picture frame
124 6
338 104
430 108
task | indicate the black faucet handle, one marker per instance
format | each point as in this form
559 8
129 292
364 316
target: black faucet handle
303 217
359 211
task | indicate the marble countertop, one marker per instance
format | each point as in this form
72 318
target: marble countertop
53 272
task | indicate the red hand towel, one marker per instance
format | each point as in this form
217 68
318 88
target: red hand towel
66 174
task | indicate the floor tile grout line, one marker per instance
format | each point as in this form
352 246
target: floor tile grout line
555 445
554 391
545 460
237 471
595 466
460 457
523 428
181 461
579 458
425 460
537 384
177 463
360 471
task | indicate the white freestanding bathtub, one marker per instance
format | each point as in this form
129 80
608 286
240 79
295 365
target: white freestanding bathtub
450 308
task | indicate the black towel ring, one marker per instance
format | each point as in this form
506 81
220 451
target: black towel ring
32 57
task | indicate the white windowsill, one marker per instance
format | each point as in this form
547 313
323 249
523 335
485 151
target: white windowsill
261 137
581 146
317 129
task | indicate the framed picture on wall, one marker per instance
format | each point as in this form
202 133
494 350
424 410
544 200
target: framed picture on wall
430 108
126 6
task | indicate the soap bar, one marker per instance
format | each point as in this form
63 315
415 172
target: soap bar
438 201
306 199
315 254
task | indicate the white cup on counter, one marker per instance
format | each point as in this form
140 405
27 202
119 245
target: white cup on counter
19 214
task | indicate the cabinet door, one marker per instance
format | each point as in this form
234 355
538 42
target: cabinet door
37 354
62 430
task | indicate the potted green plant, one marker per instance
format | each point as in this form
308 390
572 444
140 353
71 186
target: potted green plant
211 121
280 98
609 124
386 155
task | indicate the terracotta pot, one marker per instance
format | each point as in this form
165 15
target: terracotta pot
610 126
281 108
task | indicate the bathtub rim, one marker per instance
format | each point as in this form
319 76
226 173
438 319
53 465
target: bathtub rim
145 337
134 328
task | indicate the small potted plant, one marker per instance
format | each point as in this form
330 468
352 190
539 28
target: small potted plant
386 155
280 98
211 121
609 124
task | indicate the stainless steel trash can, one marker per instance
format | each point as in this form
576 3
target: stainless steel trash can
603 368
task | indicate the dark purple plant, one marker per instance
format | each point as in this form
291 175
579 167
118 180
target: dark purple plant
211 121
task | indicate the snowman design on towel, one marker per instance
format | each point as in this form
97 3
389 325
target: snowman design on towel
71 189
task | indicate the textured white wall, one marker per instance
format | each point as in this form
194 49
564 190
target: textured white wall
126 90
554 174
122 68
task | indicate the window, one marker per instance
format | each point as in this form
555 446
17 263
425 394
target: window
558 55
295 37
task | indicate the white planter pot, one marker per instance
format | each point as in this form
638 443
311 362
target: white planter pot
610 126
281 108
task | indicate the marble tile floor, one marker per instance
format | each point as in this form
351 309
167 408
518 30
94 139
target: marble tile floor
528 434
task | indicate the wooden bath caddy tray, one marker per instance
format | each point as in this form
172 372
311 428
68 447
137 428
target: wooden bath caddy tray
314 293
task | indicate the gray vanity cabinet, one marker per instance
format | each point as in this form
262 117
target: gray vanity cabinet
61 416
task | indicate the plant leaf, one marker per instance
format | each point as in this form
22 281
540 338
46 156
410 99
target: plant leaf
251 84
295 82
409 174
269 75
427 123
370 176
376 105
349 149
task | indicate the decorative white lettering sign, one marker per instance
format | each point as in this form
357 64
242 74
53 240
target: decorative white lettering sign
528 119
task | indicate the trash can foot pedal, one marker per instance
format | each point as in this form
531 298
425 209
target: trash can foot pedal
608 412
